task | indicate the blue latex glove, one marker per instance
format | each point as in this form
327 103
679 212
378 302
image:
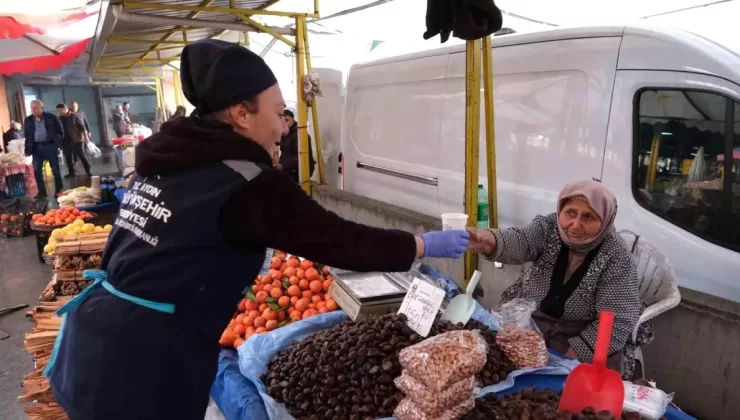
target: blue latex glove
446 244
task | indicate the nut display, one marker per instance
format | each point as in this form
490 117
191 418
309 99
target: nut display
526 348
408 410
434 402
343 372
445 359
497 366
535 404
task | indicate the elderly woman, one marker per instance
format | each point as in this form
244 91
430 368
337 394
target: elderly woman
581 267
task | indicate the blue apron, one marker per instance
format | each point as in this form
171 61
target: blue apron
100 277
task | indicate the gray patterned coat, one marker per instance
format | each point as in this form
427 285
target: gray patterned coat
609 284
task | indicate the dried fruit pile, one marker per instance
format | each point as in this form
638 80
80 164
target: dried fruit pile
346 371
535 404
291 291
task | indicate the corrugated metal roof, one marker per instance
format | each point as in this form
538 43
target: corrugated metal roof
126 29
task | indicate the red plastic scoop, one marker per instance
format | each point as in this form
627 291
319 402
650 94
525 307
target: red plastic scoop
595 385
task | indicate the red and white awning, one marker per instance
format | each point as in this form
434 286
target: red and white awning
39 42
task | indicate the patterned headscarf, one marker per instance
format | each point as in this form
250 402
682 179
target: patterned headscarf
601 200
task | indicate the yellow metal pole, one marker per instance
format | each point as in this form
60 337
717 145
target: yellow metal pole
653 165
178 90
246 19
314 114
303 145
472 139
160 98
490 132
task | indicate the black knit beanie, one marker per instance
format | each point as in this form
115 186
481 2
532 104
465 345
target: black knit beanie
217 74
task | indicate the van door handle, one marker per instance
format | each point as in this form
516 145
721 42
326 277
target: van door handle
428 180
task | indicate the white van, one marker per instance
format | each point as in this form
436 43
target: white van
570 104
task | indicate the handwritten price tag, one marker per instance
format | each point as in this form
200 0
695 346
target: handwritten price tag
421 306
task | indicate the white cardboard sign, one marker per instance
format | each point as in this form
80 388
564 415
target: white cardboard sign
421 305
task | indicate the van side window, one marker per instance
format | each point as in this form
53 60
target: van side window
687 161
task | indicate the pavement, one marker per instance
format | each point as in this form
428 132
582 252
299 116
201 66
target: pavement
22 279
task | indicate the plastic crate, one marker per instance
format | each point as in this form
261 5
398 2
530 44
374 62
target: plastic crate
16 186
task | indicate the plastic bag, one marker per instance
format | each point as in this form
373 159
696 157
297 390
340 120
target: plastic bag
445 359
91 150
520 339
649 402
433 402
407 410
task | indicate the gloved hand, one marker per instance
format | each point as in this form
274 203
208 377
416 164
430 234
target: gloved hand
446 244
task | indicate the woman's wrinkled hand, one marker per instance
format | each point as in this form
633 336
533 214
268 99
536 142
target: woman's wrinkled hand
482 241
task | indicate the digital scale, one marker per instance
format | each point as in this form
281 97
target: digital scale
363 294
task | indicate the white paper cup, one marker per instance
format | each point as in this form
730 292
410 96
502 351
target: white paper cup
454 221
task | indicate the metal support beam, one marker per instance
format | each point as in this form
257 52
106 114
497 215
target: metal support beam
198 9
472 142
157 32
143 41
268 30
106 24
304 174
144 60
198 23
314 113
490 132
125 53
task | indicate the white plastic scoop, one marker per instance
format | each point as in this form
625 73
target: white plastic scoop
461 308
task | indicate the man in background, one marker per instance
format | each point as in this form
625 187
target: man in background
14 133
44 134
75 137
75 107
117 120
289 149
126 113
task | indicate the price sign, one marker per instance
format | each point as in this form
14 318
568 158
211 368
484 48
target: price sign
421 306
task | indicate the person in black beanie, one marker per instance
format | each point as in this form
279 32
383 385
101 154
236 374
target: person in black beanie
202 208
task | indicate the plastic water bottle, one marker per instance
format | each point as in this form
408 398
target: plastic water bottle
482 207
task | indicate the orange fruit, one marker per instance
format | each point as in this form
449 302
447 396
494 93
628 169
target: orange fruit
311 306
296 315
306 264
289 272
283 301
260 322
300 273
266 279
228 338
320 305
254 313
326 285
276 293
277 283
250 305
323 310
282 267
240 329
325 270
294 299
304 284
316 286
331 305
249 321
271 325
294 280
281 316
301 305
250 331
282 256
269 314
267 288
240 318
294 291
261 296
242 305
238 342
260 330
257 288
262 307
312 274
307 294
316 299
276 262
275 274
293 263
309 313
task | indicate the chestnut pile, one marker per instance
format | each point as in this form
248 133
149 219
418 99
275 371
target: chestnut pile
535 404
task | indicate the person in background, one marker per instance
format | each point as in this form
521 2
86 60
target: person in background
117 119
171 286
14 133
581 267
126 113
289 157
75 138
180 111
44 134
75 107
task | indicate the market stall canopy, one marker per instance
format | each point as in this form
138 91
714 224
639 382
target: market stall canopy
38 35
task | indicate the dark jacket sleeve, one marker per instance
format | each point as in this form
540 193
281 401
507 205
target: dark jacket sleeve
58 129
291 156
84 121
28 133
272 211
81 123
